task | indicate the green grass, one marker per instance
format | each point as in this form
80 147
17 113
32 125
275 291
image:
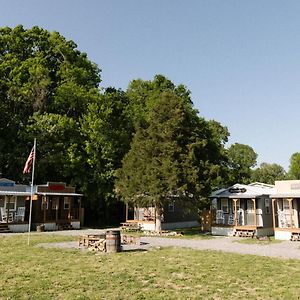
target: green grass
258 242
30 272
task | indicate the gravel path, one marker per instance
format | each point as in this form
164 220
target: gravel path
284 249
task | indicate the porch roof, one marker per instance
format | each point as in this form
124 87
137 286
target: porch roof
58 194
242 191
286 195
14 193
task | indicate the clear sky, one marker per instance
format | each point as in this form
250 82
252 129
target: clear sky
240 59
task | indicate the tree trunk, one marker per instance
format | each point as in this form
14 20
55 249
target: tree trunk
158 217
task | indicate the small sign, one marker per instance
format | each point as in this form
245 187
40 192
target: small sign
237 190
295 186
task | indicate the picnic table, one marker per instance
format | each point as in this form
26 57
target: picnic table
90 240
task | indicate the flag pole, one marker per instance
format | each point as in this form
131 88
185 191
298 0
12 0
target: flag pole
31 192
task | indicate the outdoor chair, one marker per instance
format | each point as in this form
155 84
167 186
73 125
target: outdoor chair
220 218
231 219
20 214
241 217
4 217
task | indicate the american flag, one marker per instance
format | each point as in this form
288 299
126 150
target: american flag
29 161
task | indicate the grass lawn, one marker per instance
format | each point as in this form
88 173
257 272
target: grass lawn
30 272
254 240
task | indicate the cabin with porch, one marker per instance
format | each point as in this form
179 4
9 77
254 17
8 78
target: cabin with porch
286 210
13 214
57 206
54 205
243 210
174 216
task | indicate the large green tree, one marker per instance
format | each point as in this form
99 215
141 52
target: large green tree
294 168
268 173
174 153
241 160
45 87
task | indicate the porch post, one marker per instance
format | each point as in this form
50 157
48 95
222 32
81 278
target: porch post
291 211
44 201
235 212
7 208
273 213
254 207
70 203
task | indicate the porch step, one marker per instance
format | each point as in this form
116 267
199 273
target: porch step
4 228
65 226
295 236
244 233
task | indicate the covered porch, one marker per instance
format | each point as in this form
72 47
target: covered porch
237 217
286 218
139 218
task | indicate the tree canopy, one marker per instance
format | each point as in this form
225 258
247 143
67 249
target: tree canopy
294 168
173 153
268 173
241 158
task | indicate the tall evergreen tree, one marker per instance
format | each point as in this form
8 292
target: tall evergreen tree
173 153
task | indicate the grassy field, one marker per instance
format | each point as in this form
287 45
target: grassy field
30 272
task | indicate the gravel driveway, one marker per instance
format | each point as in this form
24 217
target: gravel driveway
284 249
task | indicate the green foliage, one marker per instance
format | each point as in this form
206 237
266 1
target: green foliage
294 168
45 84
241 158
268 173
174 152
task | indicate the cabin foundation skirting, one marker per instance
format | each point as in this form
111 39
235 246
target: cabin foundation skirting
75 224
18 227
226 231
282 235
264 231
178 225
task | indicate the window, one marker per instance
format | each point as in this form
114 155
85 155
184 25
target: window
55 203
267 206
250 205
45 203
171 207
286 205
224 205
10 203
1 201
67 202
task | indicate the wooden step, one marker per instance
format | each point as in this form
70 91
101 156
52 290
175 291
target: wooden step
65 226
295 236
244 233
4 228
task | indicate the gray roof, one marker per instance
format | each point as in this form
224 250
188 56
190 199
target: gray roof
240 191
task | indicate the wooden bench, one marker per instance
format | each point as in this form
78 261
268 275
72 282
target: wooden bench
130 226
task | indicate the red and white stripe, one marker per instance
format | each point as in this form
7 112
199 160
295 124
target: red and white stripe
29 161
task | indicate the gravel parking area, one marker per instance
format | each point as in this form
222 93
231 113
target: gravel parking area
284 249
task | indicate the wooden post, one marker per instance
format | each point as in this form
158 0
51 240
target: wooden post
254 207
44 202
7 208
70 202
291 211
273 213
235 212
126 212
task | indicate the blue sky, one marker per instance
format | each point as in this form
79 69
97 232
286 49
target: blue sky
240 59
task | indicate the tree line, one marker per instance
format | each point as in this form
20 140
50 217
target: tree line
147 144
